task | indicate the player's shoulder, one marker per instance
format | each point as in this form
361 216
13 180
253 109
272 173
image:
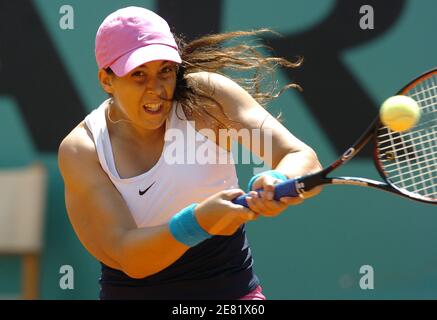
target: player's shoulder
205 76
77 148
214 82
231 97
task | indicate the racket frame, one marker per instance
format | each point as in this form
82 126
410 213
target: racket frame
306 183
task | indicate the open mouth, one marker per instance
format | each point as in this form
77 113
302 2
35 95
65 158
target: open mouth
153 108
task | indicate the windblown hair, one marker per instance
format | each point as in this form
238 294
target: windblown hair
208 53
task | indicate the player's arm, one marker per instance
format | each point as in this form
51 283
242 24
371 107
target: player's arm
101 218
288 154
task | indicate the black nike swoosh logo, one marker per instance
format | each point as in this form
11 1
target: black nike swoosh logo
143 192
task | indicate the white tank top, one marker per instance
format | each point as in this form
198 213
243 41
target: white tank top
170 186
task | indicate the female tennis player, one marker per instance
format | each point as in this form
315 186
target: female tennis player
162 225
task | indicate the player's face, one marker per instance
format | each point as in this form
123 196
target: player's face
145 94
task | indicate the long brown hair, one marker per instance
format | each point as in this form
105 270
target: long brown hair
209 53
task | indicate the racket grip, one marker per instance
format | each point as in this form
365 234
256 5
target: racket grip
286 189
283 189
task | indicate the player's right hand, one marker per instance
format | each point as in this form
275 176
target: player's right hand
218 215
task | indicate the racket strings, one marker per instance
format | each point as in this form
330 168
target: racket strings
423 190
409 159
425 124
425 106
413 170
400 144
404 149
417 93
405 179
423 161
421 182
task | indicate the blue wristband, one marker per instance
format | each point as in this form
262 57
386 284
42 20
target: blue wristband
185 228
272 173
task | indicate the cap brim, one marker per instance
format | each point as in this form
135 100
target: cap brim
137 57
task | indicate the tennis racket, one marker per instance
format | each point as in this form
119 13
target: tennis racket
406 161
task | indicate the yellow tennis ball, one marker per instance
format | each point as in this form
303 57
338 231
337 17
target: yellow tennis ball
399 113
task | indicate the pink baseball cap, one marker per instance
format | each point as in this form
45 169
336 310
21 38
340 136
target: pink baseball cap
132 36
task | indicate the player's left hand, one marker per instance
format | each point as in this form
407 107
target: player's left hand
263 203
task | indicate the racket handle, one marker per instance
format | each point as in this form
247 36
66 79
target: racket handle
283 189
286 189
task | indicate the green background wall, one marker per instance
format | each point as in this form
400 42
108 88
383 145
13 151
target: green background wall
312 251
